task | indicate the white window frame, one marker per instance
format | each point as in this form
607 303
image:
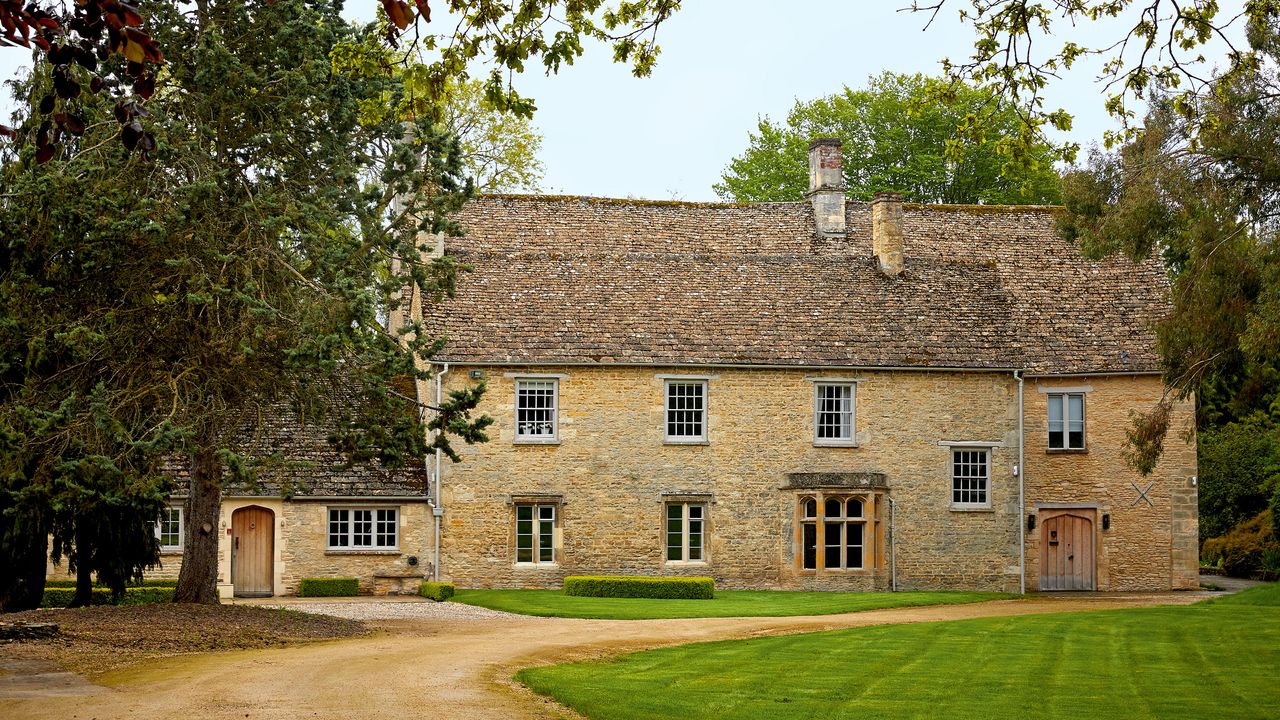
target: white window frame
554 437
670 439
953 452
686 521
536 547
160 529
852 440
376 528
1065 398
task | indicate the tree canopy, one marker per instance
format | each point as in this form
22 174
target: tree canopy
896 138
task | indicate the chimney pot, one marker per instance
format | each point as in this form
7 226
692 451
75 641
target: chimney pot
826 185
887 232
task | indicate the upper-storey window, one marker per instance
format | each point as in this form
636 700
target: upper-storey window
970 478
537 407
833 413
1066 421
686 410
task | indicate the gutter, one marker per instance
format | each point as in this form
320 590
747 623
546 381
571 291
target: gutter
437 509
1021 472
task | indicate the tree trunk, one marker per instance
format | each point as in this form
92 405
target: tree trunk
198 579
84 565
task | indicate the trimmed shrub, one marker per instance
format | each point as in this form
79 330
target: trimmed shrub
1249 550
436 590
328 587
667 588
59 597
162 582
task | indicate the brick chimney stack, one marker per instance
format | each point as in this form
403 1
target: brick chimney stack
887 233
826 186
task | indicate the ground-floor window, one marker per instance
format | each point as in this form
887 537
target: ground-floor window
535 533
364 528
686 531
970 474
833 532
169 529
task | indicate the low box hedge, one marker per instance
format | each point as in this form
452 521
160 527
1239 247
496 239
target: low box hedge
328 587
161 582
57 597
437 591
667 588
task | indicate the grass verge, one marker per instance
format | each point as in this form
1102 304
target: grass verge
1216 659
726 603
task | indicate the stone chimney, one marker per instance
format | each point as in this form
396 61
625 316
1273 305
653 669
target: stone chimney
826 186
886 232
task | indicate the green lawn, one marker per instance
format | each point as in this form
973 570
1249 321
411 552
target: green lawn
1219 659
727 603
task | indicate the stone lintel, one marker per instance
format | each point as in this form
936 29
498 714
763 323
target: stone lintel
535 497
805 481
687 496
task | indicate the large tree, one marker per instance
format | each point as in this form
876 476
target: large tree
897 136
162 301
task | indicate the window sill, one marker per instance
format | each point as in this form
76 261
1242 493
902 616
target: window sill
536 441
171 551
361 551
685 563
810 572
835 443
973 508
537 566
1066 451
691 441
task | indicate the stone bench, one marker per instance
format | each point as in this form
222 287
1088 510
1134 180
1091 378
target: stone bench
403 584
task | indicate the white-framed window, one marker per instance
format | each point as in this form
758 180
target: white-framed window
535 534
364 529
686 410
686 531
833 413
537 409
169 529
1066 421
970 478
836 536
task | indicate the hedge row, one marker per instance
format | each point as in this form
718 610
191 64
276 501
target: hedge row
61 596
668 588
328 587
436 590
164 583
1251 549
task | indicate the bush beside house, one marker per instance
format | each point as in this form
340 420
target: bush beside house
328 587
437 591
669 588
1251 549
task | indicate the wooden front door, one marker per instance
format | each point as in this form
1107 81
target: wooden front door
252 549
1067 557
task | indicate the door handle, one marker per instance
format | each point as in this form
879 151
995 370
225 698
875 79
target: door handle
236 545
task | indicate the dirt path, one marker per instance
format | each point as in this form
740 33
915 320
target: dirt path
457 668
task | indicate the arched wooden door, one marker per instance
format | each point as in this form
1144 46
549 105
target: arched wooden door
1067 557
252 551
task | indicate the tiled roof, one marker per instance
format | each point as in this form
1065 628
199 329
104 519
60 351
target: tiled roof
574 280
292 458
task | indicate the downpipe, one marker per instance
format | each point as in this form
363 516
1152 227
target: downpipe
437 508
893 547
1022 505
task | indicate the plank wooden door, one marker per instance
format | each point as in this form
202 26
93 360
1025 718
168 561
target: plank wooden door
1067 557
252 549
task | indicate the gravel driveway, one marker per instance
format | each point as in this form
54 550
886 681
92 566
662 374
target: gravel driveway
398 610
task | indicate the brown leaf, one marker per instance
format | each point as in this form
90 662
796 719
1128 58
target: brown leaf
6 131
398 12
70 122
44 153
425 9
145 86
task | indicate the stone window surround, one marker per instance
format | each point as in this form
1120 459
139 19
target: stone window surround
852 383
872 498
362 550
705 381
706 500
1082 391
171 549
536 499
555 378
987 448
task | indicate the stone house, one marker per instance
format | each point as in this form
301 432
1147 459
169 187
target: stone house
824 395
816 395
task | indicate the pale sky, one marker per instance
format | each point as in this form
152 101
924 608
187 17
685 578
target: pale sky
725 63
